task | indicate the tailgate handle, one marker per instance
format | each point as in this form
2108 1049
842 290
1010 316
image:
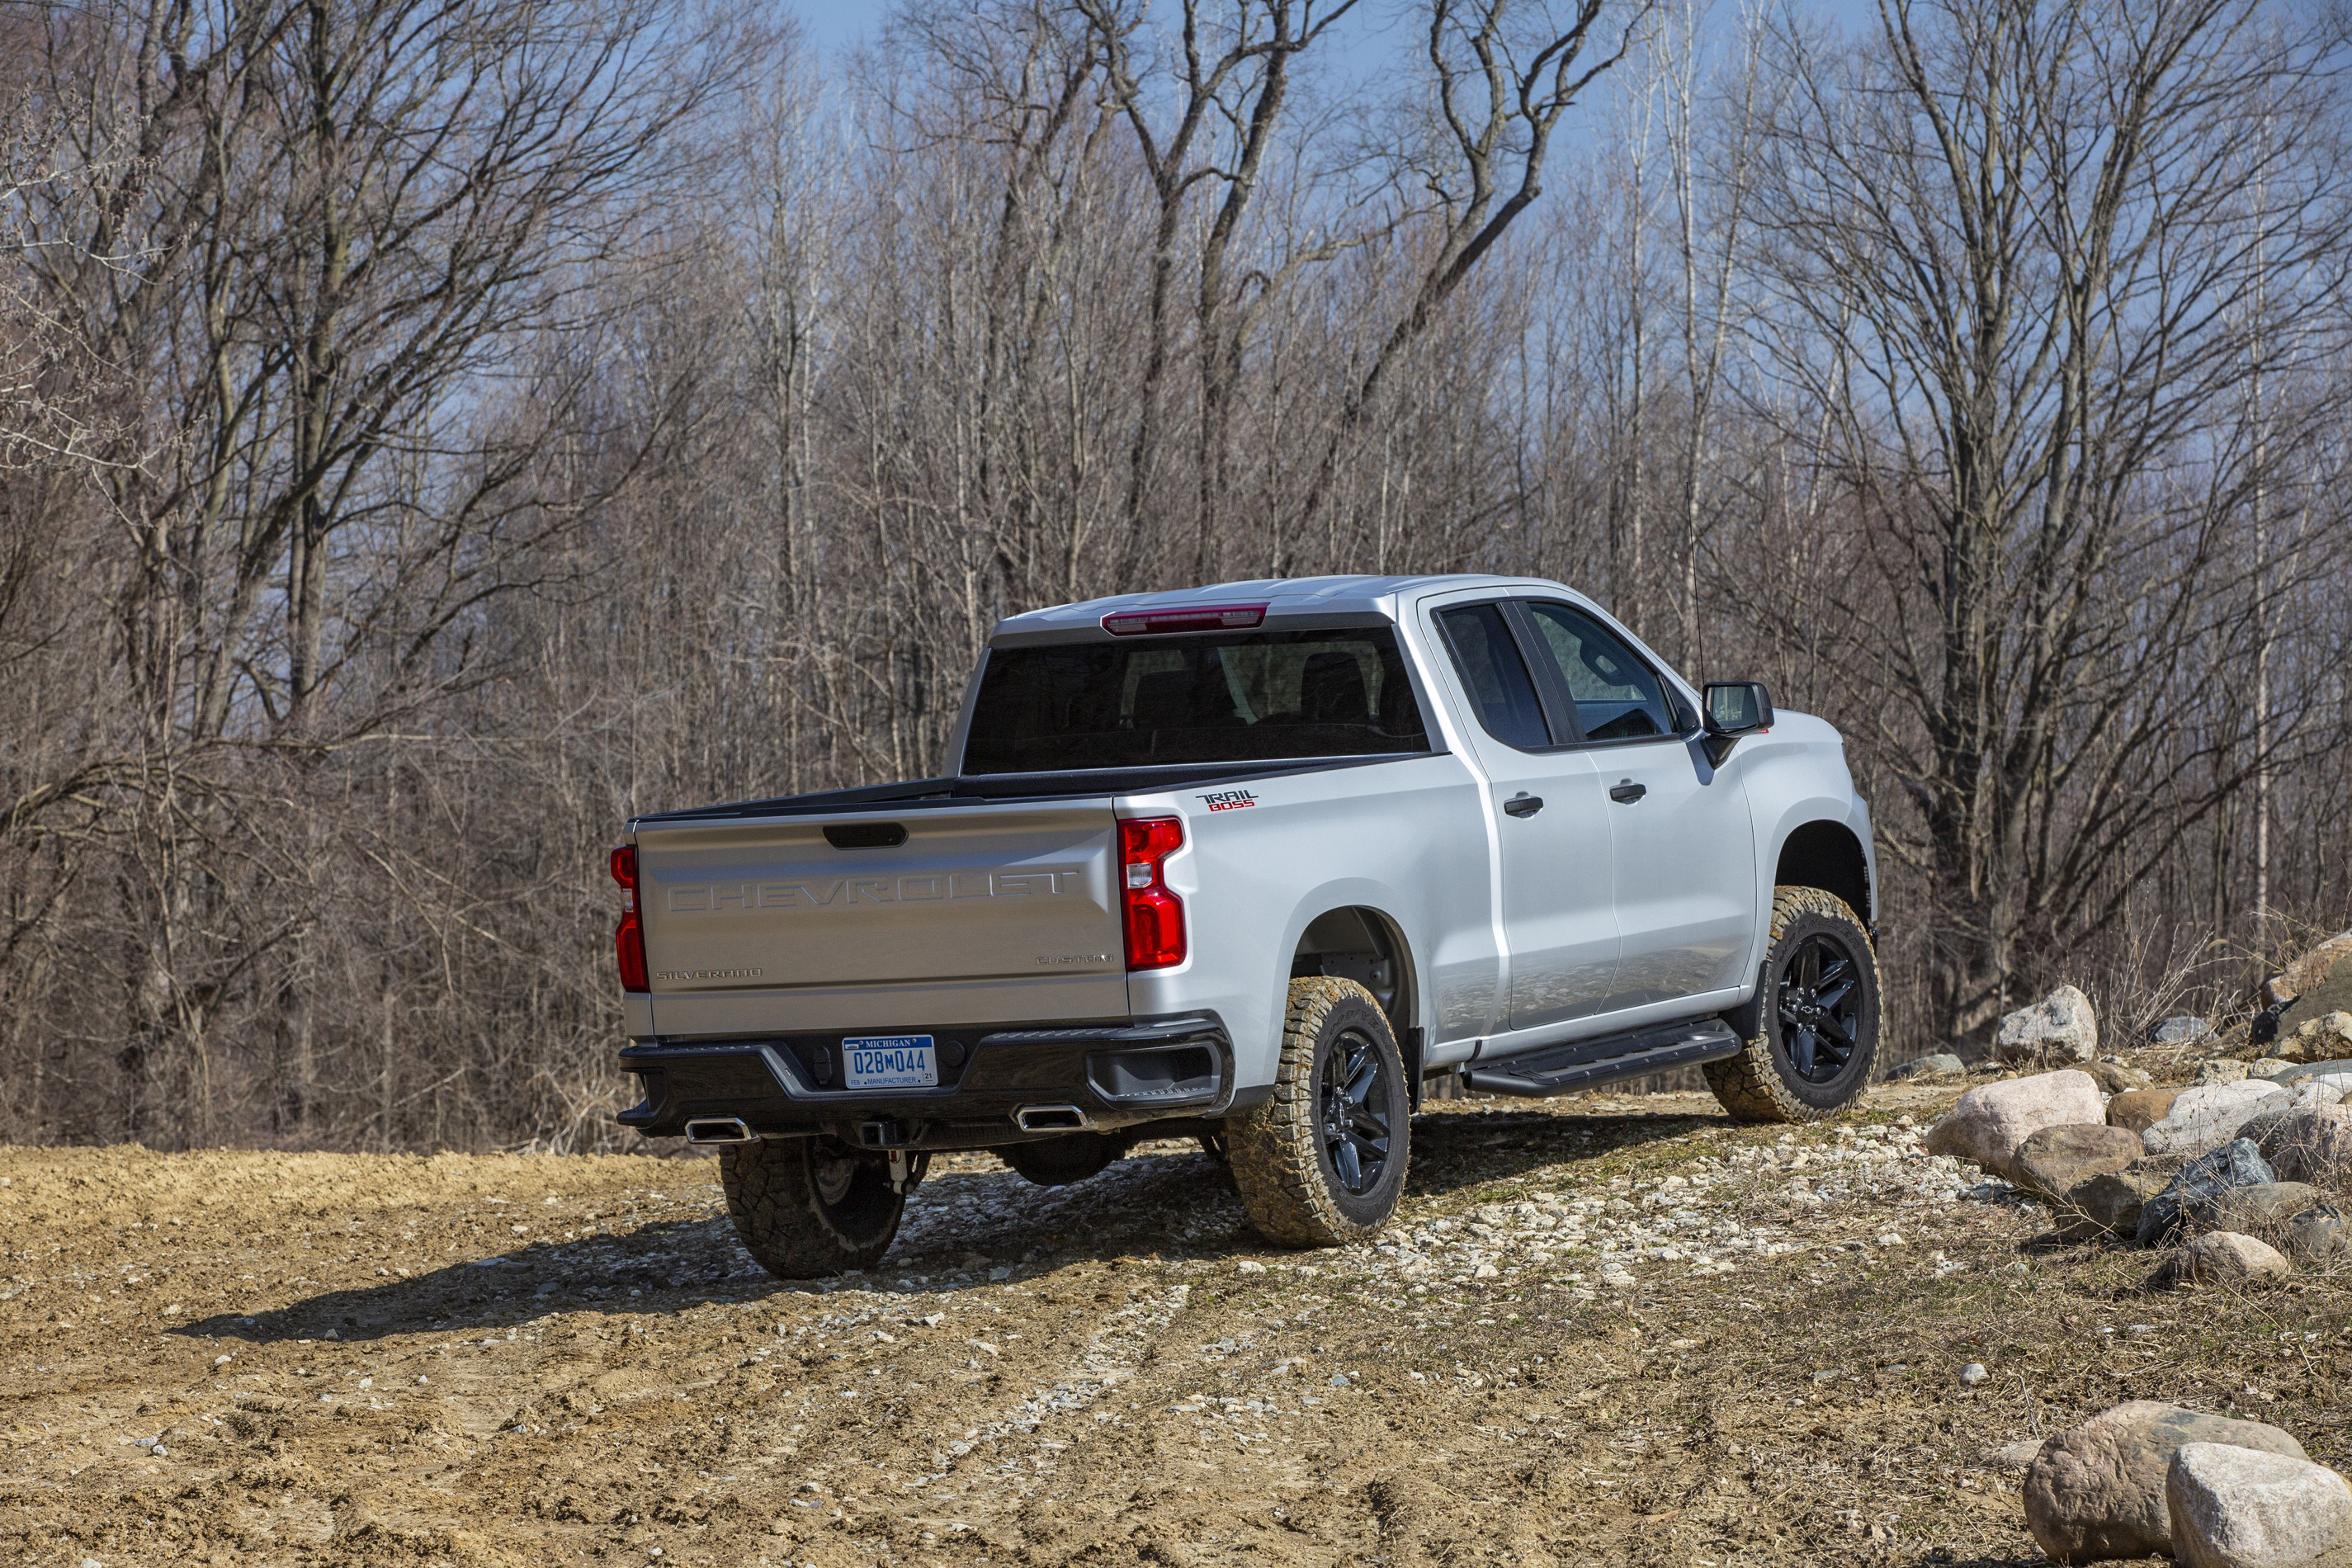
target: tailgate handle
865 835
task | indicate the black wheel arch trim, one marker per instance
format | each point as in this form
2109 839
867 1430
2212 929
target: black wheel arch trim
1828 854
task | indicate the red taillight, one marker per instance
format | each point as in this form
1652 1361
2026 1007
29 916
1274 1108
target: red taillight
629 937
1155 917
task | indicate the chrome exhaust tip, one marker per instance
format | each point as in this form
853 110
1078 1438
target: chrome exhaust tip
719 1129
1051 1118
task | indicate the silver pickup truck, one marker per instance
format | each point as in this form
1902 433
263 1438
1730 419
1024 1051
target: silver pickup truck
1260 865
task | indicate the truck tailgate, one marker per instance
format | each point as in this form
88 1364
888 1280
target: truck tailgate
983 913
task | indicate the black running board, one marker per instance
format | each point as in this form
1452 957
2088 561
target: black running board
1582 1064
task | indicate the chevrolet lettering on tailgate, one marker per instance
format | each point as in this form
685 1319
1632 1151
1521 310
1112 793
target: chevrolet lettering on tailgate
840 892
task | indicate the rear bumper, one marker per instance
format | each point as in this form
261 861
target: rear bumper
1113 1075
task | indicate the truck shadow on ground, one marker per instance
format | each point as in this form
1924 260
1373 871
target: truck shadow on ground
656 1267
963 1231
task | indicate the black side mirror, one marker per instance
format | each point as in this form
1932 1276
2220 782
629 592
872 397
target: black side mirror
1734 708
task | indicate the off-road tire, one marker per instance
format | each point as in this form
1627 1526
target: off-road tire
810 1207
1059 1161
1761 1084
1281 1164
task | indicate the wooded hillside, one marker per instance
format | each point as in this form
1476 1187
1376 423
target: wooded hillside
432 429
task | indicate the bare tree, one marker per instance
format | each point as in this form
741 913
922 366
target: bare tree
1710 247
1501 77
433 431
2022 234
336 216
1233 84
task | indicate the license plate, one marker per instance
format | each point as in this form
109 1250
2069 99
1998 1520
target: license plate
889 1061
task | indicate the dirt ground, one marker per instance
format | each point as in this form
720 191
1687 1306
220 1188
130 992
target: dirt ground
266 1358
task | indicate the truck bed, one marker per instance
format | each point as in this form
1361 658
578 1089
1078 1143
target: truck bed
938 793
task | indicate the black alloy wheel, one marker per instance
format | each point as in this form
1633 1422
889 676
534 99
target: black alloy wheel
1322 1161
1352 1100
1819 1006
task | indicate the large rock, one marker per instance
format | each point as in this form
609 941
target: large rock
2180 1030
2141 1109
2054 1159
2193 1200
2312 1095
2112 1201
2117 1077
2307 973
2310 1088
2326 1038
2059 1028
2333 1075
2097 1490
2204 1117
2317 984
2221 1257
2263 1210
2322 981
2320 1234
2014 1458
2235 1507
1989 1122
2313 1144
1939 1064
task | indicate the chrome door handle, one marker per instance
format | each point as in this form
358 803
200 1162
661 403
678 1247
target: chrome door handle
1625 792
1523 805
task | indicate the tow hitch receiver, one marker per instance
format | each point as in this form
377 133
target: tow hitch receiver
884 1133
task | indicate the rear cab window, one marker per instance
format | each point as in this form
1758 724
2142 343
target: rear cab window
1219 697
1495 677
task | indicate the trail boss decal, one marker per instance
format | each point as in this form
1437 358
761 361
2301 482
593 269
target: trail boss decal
1230 800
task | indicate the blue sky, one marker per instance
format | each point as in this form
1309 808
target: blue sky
833 25
1375 27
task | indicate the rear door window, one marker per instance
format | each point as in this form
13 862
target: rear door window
1495 676
1617 696
1265 696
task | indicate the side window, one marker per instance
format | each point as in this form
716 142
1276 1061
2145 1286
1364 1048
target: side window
1495 676
1617 696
